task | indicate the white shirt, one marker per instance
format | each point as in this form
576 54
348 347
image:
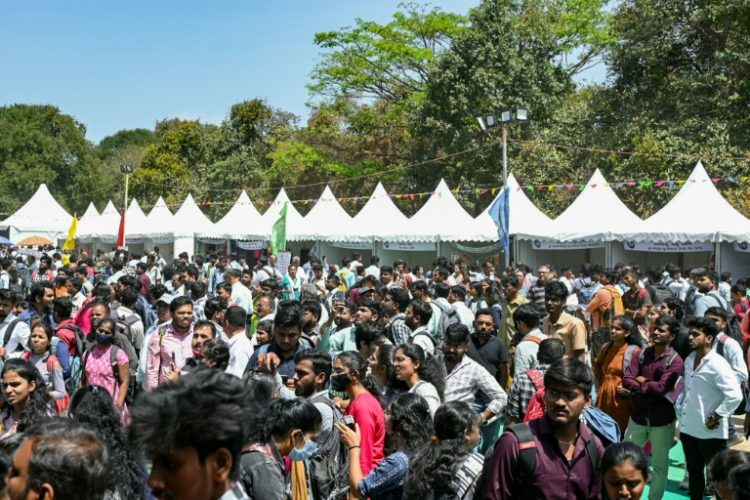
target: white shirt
464 314
373 271
19 339
732 353
240 350
712 387
572 299
242 296
526 351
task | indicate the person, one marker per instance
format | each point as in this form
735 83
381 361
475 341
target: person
92 406
537 290
566 453
418 318
446 467
610 367
526 384
457 298
654 380
467 381
240 295
710 396
706 281
408 429
278 356
526 319
203 331
291 284
636 299
40 470
263 333
14 333
107 365
171 346
240 348
559 324
48 364
720 467
27 400
126 316
486 349
383 373
310 317
215 354
312 371
350 376
513 300
192 460
624 471
422 375
285 428
395 302
604 306
739 482
476 300
40 304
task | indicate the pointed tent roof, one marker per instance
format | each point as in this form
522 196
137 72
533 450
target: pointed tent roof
442 218
698 212
135 221
294 221
160 222
189 220
597 214
242 222
41 213
327 220
526 220
380 218
91 211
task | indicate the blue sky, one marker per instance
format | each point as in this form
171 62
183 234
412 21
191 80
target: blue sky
128 64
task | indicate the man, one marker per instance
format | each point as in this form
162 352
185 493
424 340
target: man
14 333
418 316
561 325
279 355
171 346
310 316
565 452
527 383
190 459
203 331
567 278
487 350
652 378
373 270
488 271
312 372
368 310
40 309
152 270
42 470
536 293
678 285
457 298
386 277
606 304
441 308
395 302
264 308
341 337
125 315
198 296
214 311
178 288
710 396
513 300
118 271
466 380
143 280
318 280
70 336
240 348
247 278
725 286
224 292
636 299
76 292
708 296
267 271
526 319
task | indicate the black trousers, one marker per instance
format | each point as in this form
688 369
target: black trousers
698 452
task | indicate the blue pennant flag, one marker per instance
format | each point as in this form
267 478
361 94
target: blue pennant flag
500 213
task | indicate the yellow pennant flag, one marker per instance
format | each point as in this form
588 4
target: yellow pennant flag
70 243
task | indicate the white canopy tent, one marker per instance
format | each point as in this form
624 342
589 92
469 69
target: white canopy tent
42 215
91 211
242 222
294 221
188 222
327 220
380 219
102 227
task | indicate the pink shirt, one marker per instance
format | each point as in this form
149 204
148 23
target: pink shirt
161 350
368 414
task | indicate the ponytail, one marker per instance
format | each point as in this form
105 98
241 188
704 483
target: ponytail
355 362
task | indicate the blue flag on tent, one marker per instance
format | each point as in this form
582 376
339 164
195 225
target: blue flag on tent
500 213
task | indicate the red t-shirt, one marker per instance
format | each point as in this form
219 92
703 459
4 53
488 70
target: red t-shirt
368 414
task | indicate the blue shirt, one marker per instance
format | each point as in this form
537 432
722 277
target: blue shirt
286 368
386 481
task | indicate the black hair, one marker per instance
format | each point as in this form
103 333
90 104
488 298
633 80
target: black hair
37 407
129 297
550 351
419 285
556 290
459 292
156 291
367 333
206 323
421 309
197 290
386 269
289 313
677 306
442 290
717 311
570 373
312 306
355 362
739 481
224 286
527 314
705 325
429 369
321 361
192 271
129 282
6 294
625 452
92 406
236 316
411 421
216 352
433 468
723 462
214 305
174 415
63 307
37 290
511 280
739 288
178 302
634 335
8 447
266 325
399 296
284 415
670 322
47 331
485 312
456 333
373 306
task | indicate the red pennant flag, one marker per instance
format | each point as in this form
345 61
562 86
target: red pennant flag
121 231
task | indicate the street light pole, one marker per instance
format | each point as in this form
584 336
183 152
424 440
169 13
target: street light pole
506 255
127 170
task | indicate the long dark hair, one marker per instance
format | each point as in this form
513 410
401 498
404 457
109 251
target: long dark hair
355 362
429 367
634 336
411 421
39 404
432 469
385 358
92 406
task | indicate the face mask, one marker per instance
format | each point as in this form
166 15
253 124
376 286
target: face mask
340 382
304 453
103 338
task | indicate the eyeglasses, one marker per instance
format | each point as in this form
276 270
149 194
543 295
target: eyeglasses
568 396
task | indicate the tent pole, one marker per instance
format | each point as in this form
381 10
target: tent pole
717 257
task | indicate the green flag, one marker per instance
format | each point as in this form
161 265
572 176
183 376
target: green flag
278 233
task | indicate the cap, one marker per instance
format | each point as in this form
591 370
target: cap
167 298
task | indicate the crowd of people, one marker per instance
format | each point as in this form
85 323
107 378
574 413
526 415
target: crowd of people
126 376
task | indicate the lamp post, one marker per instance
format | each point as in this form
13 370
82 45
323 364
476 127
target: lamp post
126 169
507 118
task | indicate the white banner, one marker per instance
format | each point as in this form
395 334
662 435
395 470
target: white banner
409 247
566 245
495 247
212 241
648 246
283 259
352 245
742 247
252 245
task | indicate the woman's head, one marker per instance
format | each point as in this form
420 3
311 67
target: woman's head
105 332
381 362
290 423
40 339
455 420
410 421
624 329
20 380
719 468
653 314
407 360
624 471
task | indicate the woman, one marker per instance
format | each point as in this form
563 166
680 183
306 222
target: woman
624 471
40 343
423 377
25 391
418 275
350 376
384 374
286 428
459 276
107 365
609 369
719 468
446 467
92 406
476 298
408 431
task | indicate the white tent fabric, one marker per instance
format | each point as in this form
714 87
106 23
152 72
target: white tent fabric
135 221
697 213
160 222
379 219
103 226
526 220
91 211
327 220
442 218
597 214
189 220
242 222
42 215
294 221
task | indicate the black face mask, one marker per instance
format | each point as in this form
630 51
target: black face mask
340 382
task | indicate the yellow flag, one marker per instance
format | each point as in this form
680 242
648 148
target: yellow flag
70 243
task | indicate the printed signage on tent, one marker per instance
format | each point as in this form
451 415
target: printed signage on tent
742 247
283 259
352 245
648 246
409 247
566 245
252 245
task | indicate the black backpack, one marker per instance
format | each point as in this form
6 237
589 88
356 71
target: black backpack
332 457
659 293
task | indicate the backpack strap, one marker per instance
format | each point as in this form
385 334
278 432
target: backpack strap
113 361
593 454
533 339
629 352
537 378
722 339
9 331
526 449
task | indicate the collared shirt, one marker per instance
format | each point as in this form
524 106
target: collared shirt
399 330
386 481
526 351
569 329
242 297
469 378
422 337
285 368
732 352
507 327
199 309
342 340
490 355
19 337
554 477
520 394
711 387
136 327
650 406
464 314
161 351
240 351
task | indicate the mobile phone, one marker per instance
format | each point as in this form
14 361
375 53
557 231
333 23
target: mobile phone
339 296
348 421
173 359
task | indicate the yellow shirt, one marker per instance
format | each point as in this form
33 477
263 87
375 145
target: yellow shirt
507 327
569 329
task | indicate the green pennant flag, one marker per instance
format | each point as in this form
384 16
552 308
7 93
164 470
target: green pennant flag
278 233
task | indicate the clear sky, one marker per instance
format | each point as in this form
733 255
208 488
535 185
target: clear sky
127 64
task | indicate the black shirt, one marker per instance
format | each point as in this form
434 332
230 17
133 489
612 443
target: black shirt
490 355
